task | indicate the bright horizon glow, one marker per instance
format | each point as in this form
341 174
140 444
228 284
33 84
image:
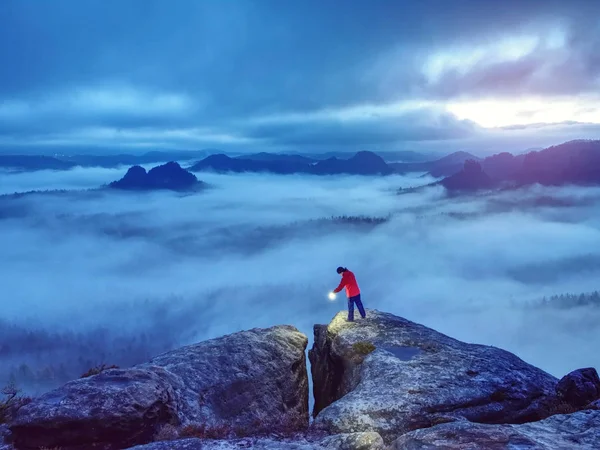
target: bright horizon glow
504 113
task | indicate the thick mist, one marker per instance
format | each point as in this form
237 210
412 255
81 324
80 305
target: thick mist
99 276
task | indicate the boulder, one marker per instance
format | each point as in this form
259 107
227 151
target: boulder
580 430
249 382
120 407
389 375
580 387
350 441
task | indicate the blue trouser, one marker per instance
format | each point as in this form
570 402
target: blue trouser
359 305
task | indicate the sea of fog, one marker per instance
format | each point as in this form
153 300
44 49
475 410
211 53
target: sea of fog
99 276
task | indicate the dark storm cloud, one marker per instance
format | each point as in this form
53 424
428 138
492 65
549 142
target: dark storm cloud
172 66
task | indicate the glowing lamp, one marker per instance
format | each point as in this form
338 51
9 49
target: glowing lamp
331 296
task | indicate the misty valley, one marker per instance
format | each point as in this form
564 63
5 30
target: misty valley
114 277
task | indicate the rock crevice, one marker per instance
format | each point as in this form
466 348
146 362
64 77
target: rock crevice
328 371
445 380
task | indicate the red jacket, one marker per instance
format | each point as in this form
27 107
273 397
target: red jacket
348 282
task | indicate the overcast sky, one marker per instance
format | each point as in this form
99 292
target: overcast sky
312 75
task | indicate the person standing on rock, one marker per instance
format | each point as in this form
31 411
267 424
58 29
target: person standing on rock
352 292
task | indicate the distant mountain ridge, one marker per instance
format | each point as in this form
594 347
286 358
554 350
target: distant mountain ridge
362 163
442 167
65 162
264 156
388 156
571 163
127 159
33 162
470 178
574 162
58 161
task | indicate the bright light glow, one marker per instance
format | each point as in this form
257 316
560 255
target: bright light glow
331 296
503 113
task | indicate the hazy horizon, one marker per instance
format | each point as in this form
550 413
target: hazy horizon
432 150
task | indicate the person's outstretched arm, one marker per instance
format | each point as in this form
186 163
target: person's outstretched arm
341 285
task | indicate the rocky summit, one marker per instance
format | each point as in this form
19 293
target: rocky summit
389 375
170 176
380 383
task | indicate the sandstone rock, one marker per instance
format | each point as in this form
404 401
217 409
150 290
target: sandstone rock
248 382
120 407
580 387
354 441
253 381
351 441
577 431
389 375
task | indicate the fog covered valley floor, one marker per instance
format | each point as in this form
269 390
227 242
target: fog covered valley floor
108 277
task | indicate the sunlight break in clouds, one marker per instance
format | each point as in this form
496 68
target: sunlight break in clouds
496 113
545 48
